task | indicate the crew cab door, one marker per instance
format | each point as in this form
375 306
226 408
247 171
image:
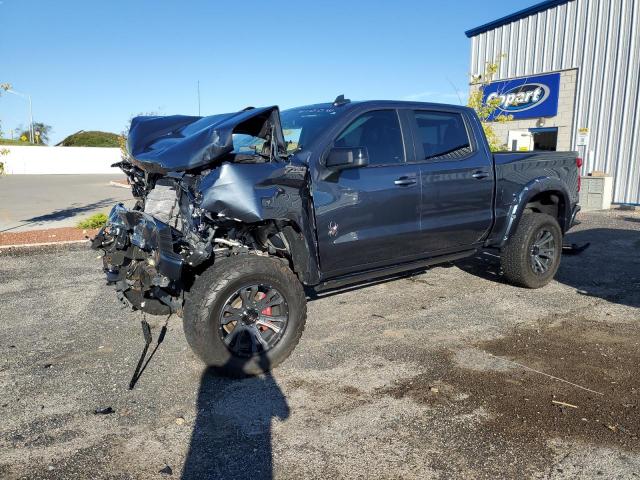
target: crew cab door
368 216
457 180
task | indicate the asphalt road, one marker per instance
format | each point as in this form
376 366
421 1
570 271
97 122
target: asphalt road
30 202
412 378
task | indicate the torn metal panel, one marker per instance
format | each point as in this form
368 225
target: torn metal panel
179 142
252 193
261 192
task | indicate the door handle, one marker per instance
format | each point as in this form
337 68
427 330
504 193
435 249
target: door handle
479 175
405 181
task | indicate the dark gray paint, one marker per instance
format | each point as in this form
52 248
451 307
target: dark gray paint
361 219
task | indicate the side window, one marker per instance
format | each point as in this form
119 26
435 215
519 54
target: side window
378 131
443 135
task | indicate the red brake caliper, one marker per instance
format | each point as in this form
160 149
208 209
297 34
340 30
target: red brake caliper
265 311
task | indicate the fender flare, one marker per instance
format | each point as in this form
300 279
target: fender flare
529 191
304 261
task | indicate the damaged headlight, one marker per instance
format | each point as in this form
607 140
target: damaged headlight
143 234
137 237
115 218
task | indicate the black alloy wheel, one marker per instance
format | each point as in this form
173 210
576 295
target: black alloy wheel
532 254
253 320
245 314
542 253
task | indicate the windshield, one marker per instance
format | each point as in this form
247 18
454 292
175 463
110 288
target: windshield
301 126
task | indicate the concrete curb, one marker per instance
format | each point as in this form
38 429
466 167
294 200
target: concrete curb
120 185
34 248
629 207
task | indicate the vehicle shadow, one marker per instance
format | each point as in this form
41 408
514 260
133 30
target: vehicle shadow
231 436
63 214
608 269
72 211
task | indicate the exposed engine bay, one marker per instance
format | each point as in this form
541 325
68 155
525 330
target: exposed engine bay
205 188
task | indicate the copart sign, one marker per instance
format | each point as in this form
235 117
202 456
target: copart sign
529 97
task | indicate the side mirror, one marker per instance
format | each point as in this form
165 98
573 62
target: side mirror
341 158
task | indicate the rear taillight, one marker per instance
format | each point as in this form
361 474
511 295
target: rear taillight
579 165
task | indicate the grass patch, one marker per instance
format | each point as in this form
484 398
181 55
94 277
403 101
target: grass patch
98 220
19 143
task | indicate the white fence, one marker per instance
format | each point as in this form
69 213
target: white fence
59 160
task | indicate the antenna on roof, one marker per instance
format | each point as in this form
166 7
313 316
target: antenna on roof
340 100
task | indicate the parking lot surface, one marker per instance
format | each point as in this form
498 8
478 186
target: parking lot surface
29 202
449 373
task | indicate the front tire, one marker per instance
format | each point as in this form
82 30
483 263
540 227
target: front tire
245 314
532 255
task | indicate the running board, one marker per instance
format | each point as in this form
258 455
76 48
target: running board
368 275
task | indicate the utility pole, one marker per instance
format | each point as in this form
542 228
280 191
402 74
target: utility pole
198 97
31 119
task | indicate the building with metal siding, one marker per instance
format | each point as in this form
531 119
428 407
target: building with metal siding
595 46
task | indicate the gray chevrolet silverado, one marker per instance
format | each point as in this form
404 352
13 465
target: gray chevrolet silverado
239 216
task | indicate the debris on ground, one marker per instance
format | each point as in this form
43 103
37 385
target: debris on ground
104 411
167 470
574 248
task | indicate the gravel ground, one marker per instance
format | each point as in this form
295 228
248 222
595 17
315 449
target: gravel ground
432 376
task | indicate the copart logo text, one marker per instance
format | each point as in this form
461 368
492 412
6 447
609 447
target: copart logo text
521 98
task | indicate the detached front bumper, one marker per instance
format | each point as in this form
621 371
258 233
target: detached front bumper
139 259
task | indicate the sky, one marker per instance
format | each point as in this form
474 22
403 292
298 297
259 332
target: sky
92 65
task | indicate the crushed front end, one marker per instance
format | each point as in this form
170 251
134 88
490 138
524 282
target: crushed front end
199 198
140 260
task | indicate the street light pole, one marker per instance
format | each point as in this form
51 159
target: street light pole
31 119
7 88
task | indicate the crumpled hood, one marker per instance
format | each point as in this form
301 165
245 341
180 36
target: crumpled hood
180 142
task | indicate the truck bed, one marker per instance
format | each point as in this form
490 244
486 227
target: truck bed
522 173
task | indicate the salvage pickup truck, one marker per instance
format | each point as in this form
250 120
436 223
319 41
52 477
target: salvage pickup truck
238 216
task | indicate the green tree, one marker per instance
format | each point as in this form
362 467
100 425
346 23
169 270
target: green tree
485 110
44 130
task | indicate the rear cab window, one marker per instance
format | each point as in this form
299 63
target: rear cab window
379 132
441 136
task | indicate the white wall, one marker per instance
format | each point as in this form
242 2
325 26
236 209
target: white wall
60 160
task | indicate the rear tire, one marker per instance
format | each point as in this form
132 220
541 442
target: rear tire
210 299
532 255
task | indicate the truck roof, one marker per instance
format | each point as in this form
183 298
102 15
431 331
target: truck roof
381 104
